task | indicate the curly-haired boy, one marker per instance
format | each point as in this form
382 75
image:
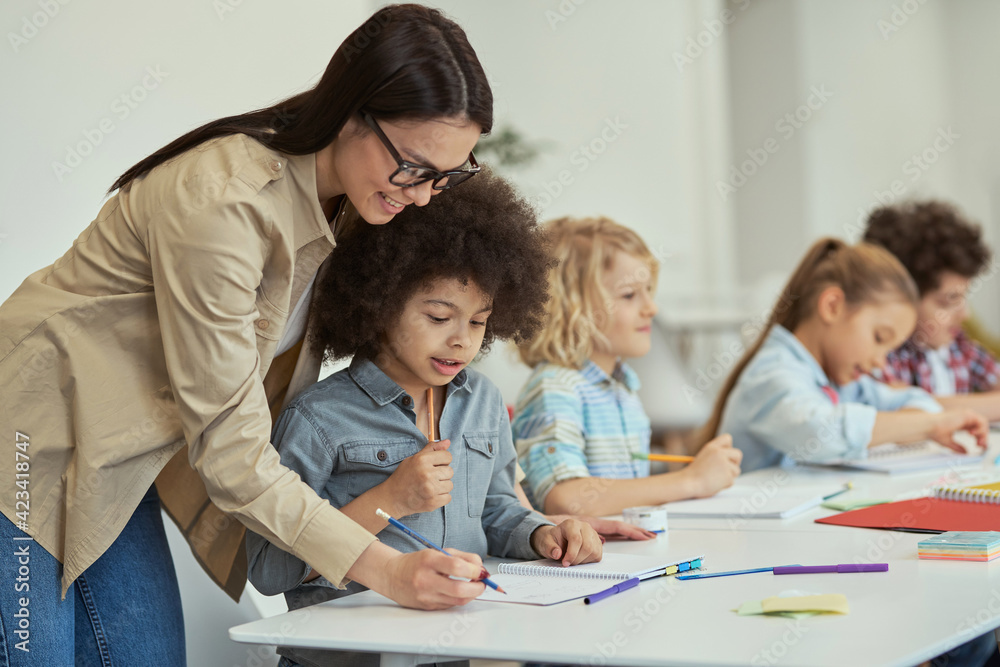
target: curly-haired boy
414 302
943 252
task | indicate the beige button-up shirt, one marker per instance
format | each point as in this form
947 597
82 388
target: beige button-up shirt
154 336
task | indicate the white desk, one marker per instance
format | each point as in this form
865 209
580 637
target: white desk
916 610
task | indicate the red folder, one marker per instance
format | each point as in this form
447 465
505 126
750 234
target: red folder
922 514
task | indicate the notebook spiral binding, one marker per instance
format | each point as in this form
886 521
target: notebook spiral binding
968 495
537 571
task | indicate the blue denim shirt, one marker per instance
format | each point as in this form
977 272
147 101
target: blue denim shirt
779 411
347 433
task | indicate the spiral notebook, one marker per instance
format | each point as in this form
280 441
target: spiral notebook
893 459
979 493
545 582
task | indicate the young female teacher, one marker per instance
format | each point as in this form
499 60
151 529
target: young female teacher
159 346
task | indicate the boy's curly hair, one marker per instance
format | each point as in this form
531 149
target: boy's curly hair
481 231
929 238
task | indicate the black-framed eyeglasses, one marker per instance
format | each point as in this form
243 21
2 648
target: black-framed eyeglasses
409 174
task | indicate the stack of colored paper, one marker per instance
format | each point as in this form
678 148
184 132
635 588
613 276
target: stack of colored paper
961 545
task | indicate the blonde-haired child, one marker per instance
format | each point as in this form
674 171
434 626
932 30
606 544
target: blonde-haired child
803 393
578 419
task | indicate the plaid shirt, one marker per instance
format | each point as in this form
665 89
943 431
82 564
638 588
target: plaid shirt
973 367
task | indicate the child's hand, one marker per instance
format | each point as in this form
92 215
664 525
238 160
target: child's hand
949 421
571 542
422 482
715 467
607 527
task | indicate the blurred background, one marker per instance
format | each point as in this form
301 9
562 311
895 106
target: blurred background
730 135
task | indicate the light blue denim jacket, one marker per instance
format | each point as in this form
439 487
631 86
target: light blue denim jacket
347 434
778 411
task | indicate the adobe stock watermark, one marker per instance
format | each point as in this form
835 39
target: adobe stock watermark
778 649
786 127
582 158
726 359
914 167
698 43
563 11
121 107
31 24
900 16
635 620
224 7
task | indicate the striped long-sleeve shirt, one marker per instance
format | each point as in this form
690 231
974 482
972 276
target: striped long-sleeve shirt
572 423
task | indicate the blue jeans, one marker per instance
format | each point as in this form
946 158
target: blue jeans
124 610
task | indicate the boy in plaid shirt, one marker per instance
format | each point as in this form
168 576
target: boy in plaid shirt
944 253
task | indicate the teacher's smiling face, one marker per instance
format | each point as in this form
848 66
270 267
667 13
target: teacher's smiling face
360 162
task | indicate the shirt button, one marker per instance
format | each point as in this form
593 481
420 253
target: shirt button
489 446
381 456
551 450
407 401
263 324
275 166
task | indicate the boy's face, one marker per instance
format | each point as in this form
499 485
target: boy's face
942 311
630 308
438 333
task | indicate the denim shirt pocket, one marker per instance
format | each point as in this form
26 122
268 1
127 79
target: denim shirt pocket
480 456
369 463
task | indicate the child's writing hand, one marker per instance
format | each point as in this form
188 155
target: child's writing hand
572 542
716 467
949 421
422 482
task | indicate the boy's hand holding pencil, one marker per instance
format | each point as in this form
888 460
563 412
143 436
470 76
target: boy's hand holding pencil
716 467
422 482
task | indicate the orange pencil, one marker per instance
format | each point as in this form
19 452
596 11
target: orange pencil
430 414
669 458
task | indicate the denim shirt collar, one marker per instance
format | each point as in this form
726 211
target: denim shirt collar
786 340
622 374
374 382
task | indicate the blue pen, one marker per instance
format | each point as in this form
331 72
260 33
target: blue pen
608 592
423 540
709 575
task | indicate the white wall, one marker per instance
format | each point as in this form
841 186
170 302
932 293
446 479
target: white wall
899 73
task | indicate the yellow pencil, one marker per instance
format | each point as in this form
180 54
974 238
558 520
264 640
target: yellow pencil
430 413
669 458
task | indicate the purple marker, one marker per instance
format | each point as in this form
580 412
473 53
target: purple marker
608 592
840 569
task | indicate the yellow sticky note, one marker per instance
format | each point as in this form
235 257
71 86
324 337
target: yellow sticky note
834 603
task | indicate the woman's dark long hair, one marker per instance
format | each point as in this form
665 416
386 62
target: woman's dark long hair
405 61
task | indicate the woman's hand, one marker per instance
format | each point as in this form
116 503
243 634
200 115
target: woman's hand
714 468
422 482
946 423
571 542
607 527
420 580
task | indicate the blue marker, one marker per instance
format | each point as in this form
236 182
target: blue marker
709 575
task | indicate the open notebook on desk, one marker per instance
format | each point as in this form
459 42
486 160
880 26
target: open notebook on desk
895 459
750 502
545 582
